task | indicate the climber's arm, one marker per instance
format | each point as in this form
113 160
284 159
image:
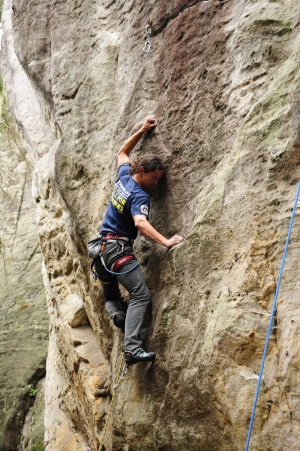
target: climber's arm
146 229
123 155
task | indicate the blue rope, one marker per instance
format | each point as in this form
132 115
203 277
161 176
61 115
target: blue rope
271 319
117 273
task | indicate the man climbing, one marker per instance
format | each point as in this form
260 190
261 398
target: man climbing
127 214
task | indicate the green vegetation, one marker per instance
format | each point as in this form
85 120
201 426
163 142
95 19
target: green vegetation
10 138
1 7
33 392
4 109
38 447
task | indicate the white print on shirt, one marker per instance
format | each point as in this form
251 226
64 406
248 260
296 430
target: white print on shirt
119 196
144 209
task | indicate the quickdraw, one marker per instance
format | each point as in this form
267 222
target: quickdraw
147 45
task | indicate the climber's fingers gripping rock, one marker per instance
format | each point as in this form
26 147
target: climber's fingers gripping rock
176 239
149 124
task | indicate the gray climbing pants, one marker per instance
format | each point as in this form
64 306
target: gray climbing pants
133 282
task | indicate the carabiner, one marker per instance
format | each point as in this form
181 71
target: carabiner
147 46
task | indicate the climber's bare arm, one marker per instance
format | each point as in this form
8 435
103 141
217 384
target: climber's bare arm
123 155
146 229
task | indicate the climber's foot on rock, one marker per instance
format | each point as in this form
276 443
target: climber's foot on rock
138 356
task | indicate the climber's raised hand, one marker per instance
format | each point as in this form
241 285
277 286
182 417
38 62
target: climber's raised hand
149 124
123 155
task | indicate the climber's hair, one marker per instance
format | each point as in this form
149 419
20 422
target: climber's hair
149 162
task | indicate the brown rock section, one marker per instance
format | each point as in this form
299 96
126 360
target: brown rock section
222 78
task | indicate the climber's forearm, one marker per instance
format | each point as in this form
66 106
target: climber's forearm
128 146
150 232
130 143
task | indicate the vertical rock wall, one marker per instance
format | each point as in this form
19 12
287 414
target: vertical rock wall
23 319
222 78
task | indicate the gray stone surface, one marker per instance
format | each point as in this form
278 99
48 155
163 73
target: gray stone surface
222 78
23 313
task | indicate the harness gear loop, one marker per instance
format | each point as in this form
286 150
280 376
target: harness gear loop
121 244
118 263
119 378
113 272
147 45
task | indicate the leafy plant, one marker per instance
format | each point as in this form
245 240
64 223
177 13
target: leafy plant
33 392
38 447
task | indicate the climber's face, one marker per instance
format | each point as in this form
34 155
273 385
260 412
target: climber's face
149 180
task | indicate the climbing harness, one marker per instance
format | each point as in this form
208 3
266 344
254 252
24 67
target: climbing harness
271 318
121 374
96 248
113 272
147 45
120 261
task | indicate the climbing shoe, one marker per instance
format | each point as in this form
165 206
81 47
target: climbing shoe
119 321
138 356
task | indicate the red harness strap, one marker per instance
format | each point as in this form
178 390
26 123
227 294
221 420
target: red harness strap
121 262
111 236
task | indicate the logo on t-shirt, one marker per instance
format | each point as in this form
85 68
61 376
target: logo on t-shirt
144 209
119 196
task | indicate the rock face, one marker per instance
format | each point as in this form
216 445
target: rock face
24 319
222 78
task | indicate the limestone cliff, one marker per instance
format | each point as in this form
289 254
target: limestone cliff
24 319
222 78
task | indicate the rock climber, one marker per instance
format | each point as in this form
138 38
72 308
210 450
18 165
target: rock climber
128 213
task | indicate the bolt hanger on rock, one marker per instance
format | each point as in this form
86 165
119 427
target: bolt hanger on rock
147 45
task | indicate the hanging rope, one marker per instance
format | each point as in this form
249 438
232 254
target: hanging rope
272 316
121 374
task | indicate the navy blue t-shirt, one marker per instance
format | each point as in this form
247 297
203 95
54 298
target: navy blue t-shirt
128 199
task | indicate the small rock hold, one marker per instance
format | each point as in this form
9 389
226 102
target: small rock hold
100 392
276 152
237 256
